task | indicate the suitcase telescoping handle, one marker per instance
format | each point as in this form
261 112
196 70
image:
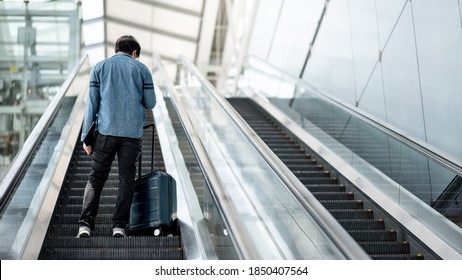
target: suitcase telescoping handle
152 151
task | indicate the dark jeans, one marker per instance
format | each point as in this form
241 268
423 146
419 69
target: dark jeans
104 152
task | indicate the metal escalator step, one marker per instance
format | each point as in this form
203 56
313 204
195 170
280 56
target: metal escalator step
306 167
73 219
78 190
282 143
319 180
103 228
387 247
76 208
373 235
285 150
362 224
342 204
112 254
334 195
326 187
297 156
105 199
352 213
101 242
417 256
304 174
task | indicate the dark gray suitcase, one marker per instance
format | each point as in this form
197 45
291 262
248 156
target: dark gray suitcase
154 205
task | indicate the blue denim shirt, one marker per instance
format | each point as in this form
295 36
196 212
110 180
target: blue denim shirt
121 88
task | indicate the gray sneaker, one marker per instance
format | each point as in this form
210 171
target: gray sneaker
84 231
118 232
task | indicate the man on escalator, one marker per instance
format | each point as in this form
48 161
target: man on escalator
121 88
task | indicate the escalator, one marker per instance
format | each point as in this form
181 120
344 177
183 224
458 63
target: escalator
60 242
360 219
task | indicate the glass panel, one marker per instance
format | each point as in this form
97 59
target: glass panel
217 230
20 211
39 45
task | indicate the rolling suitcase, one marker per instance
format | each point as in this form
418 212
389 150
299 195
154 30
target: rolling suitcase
154 204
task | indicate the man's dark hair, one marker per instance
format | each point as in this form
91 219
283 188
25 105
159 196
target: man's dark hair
128 44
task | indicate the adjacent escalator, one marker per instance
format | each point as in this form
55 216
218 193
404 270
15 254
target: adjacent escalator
373 234
60 242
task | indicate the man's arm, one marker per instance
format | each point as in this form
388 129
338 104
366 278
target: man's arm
92 108
149 96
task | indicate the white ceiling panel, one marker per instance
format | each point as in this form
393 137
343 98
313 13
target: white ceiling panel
176 22
191 5
130 11
172 47
168 27
171 28
115 30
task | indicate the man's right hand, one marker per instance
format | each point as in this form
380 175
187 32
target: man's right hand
88 149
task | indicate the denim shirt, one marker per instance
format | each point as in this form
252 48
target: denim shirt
121 88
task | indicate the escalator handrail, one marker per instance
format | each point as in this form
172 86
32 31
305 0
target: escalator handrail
33 140
208 170
197 242
333 229
424 148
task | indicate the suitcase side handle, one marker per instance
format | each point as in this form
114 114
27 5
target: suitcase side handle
152 150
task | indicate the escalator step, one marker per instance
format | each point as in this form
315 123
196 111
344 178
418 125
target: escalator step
373 235
111 242
304 174
352 214
78 191
334 195
391 247
105 199
319 180
342 204
326 188
417 256
76 208
112 254
73 219
298 156
304 167
365 224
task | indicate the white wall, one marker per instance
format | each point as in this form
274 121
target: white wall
398 60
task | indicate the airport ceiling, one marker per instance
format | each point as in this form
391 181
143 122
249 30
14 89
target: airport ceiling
169 27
